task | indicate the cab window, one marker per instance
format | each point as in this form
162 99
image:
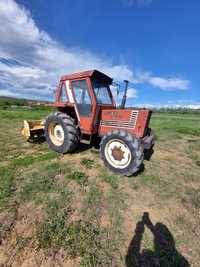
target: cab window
82 97
63 94
102 93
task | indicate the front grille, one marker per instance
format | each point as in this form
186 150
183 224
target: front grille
122 124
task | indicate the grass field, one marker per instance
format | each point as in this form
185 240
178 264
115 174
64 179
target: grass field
68 210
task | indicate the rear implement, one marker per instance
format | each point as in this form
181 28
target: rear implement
33 130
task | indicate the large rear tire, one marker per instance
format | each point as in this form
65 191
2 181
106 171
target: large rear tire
121 152
61 132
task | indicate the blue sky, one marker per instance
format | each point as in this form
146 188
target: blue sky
152 43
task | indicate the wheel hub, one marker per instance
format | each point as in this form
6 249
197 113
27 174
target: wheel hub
56 134
59 133
118 154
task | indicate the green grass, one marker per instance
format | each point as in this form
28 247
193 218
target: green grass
88 163
6 182
52 232
80 177
192 196
92 202
111 179
150 179
30 159
87 214
173 124
79 238
36 184
19 115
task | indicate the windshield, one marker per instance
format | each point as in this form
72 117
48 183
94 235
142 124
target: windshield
102 93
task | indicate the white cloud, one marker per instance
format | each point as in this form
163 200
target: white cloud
169 83
42 60
39 60
119 92
166 84
132 93
9 93
21 71
193 106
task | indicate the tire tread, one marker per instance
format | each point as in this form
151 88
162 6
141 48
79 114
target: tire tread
70 129
134 145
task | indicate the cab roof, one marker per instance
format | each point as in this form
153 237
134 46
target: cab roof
93 74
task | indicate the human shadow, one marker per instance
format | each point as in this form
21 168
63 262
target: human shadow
164 253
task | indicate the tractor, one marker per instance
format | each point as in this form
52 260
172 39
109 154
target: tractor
87 112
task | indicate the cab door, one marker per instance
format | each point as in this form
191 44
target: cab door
84 104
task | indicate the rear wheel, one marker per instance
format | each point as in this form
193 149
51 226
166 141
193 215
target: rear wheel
121 152
61 132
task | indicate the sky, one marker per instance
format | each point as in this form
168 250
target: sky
154 44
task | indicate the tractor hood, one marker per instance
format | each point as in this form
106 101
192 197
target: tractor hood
132 120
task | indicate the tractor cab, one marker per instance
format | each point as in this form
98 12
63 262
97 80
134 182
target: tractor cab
85 95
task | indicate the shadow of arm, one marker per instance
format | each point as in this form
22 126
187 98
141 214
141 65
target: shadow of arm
133 254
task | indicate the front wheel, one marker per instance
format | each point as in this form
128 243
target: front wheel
121 152
61 132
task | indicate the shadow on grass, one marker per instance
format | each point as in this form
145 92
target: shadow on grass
164 254
81 148
37 140
148 153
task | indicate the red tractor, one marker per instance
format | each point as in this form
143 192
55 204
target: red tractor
86 111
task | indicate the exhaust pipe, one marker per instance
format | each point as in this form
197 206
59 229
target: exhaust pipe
123 103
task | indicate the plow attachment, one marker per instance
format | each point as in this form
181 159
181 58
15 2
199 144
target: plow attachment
33 131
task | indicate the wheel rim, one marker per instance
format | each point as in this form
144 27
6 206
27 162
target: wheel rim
118 154
56 133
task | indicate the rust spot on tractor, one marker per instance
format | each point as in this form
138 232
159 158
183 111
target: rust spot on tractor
117 153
